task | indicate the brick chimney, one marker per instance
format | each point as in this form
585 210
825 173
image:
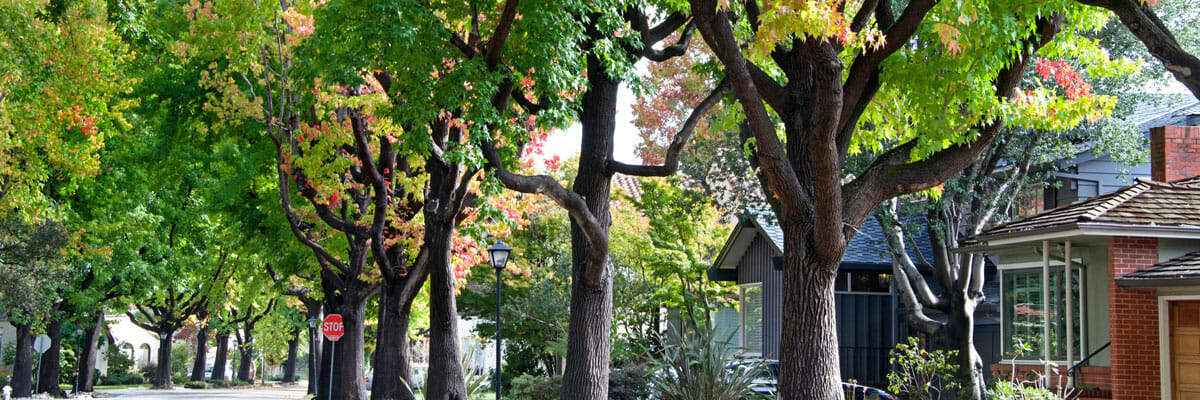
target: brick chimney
1174 152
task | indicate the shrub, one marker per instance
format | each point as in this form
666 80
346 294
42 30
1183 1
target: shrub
122 378
629 384
149 372
179 377
919 374
533 387
9 355
1006 390
218 383
180 355
196 385
694 368
239 382
5 378
118 361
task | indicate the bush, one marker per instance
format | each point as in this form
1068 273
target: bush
919 374
533 387
196 385
629 384
1006 390
9 355
218 383
122 378
118 361
179 377
180 355
694 367
149 372
239 382
5 378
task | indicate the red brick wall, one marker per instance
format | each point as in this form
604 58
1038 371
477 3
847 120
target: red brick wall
1174 152
1133 322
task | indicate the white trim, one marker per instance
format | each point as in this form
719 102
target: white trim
1092 231
1164 340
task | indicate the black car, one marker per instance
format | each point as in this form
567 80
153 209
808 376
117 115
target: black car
767 383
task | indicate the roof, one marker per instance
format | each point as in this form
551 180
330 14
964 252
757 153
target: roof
1183 270
868 247
1171 111
1146 203
629 184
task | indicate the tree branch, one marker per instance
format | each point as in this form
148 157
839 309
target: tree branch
1149 29
671 163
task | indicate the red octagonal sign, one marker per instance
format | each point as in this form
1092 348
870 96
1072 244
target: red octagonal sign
332 327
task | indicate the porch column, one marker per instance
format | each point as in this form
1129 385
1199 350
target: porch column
1070 312
1046 309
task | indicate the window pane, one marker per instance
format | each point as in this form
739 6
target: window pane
752 319
1025 312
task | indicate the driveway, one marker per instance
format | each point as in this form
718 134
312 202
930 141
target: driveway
292 392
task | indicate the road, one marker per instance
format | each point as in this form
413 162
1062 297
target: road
293 392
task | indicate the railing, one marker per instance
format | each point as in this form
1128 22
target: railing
1074 370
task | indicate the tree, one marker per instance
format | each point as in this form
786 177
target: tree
610 54
1141 20
806 112
30 269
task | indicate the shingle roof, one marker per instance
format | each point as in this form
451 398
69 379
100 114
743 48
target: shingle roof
1145 203
1184 267
629 184
869 245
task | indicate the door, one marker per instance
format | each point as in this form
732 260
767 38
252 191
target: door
1185 349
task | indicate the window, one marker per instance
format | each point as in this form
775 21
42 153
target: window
1024 310
863 282
752 318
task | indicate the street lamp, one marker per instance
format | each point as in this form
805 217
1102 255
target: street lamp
78 369
312 355
498 254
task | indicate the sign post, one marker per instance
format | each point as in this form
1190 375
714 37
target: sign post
40 345
333 329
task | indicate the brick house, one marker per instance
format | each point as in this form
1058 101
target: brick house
1103 295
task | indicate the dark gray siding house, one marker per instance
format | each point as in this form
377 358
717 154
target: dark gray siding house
870 316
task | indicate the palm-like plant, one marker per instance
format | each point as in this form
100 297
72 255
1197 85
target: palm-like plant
696 367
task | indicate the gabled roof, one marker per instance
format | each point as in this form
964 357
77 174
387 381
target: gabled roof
1146 204
1184 270
867 248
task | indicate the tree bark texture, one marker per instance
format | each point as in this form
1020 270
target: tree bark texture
221 358
314 310
589 343
22 377
246 356
393 364
197 373
347 361
86 368
445 378
163 380
48 378
289 366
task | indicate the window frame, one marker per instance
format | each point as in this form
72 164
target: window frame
742 331
1079 304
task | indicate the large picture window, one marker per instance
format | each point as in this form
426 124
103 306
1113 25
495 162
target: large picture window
752 319
1025 310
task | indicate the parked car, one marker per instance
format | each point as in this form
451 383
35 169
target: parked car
768 383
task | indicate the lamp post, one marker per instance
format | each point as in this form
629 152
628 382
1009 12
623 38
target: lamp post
78 335
498 254
312 355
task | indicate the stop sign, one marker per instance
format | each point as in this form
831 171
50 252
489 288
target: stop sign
332 327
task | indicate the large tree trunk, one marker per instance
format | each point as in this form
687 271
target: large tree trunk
589 334
201 354
48 377
960 331
808 341
246 353
86 367
219 359
289 366
164 359
22 378
347 359
393 366
445 378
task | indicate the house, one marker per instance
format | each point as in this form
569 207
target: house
870 314
1103 295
